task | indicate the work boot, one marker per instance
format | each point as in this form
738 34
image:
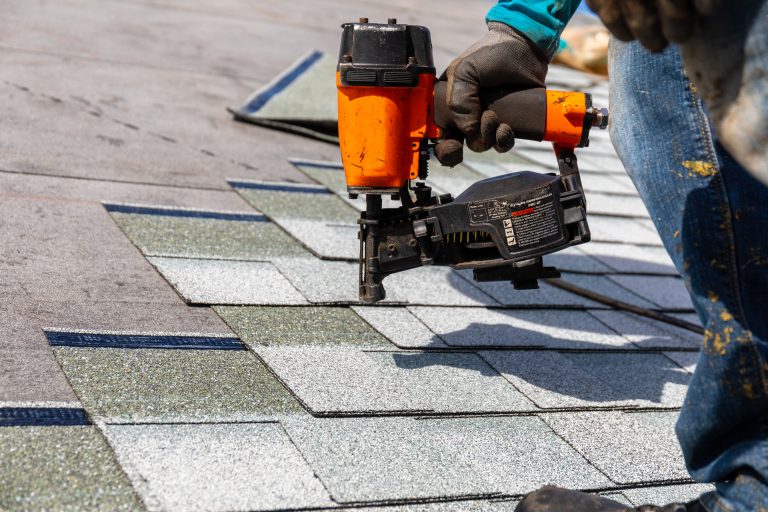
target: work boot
555 499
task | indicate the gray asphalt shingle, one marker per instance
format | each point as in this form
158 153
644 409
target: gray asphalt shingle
574 259
227 282
631 258
336 282
687 360
552 329
400 326
347 380
395 458
500 505
603 285
620 230
647 333
303 201
663 495
628 447
571 380
546 295
245 466
331 240
665 292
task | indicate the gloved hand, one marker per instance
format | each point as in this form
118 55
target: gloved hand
503 58
655 23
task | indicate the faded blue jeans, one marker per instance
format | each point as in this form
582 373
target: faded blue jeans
713 218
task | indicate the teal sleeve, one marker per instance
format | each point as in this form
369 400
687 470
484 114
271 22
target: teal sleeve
542 21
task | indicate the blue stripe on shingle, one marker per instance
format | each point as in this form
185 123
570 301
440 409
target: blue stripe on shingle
195 214
261 99
277 187
139 341
42 417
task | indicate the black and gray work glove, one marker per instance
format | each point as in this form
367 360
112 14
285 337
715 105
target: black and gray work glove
503 58
655 23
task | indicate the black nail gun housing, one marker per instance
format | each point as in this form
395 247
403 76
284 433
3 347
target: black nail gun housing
500 227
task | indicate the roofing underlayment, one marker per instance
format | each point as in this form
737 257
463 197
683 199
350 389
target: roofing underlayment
181 328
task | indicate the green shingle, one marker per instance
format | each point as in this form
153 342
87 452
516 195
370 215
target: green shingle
142 385
300 326
61 468
158 235
297 205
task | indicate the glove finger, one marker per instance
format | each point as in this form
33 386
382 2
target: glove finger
610 13
463 97
643 20
486 136
677 19
505 138
449 151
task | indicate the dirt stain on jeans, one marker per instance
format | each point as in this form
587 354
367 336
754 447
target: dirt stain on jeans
717 342
699 167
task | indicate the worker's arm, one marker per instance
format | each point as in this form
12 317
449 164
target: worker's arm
522 37
542 21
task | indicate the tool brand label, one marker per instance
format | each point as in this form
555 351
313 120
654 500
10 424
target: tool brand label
488 210
533 222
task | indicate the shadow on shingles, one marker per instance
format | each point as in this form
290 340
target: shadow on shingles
464 361
589 376
590 272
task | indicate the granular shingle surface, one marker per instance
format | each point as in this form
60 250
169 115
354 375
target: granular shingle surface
546 296
321 282
620 230
662 495
400 326
320 204
58 468
227 282
341 380
603 285
647 333
331 240
500 505
389 458
246 466
336 282
631 258
556 329
687 360
295 326
628 447
572 380
664 292
575 260
186 237
173 385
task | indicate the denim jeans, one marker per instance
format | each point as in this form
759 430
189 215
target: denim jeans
713 218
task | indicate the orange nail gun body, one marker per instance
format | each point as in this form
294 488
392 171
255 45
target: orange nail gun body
390 111
386 105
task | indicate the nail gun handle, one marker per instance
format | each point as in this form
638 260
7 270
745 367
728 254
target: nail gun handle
538 114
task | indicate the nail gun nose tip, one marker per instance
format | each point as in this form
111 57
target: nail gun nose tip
601 118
